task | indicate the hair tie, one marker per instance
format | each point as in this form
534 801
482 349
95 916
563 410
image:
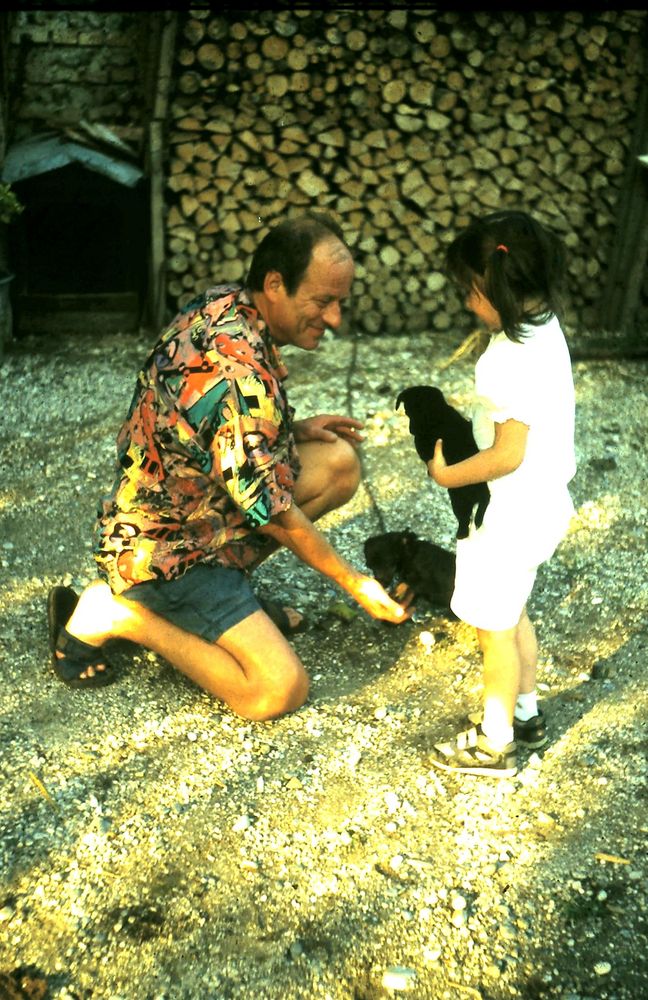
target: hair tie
502 247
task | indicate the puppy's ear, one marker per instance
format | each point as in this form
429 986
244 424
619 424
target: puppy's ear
411 396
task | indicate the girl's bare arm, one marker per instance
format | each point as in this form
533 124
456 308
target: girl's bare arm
504 456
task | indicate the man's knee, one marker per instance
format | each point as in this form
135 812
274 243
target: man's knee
345 469
279 697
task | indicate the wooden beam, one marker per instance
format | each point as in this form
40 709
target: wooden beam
163 63
629 254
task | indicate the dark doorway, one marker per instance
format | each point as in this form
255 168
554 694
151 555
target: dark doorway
79 253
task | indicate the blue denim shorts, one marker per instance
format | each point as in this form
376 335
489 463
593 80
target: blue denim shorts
206 601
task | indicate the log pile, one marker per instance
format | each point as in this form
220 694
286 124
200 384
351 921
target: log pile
402 124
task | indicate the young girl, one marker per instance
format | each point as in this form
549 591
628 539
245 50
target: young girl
511 269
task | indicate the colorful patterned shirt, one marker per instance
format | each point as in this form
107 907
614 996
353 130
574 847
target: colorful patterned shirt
206 454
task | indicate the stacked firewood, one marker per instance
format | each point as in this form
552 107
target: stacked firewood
403 124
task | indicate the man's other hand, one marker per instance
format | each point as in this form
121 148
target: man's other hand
328 427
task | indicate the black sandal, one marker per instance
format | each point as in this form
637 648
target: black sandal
278 616
77 655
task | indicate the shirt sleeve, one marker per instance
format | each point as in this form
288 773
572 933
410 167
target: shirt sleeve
251 453
507 387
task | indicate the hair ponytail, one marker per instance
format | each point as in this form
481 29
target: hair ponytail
518 264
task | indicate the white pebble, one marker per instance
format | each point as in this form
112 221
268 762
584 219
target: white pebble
602 968
427 639
398 978
391 801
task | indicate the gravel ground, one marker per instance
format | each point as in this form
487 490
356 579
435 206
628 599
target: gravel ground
153 845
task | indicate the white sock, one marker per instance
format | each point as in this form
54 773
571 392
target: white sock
498 737
526 706
496 728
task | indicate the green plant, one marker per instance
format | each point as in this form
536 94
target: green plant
9 203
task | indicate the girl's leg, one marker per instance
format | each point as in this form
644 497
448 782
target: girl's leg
510 663
488 747
527 646
530 726
502 671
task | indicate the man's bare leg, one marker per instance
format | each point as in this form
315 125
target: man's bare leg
329 478
252 667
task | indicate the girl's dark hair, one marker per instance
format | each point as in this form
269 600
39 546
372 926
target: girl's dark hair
288 249
520 265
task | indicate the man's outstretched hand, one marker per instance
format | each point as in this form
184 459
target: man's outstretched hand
372 596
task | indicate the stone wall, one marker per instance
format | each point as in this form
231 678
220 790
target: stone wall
403 124
70 65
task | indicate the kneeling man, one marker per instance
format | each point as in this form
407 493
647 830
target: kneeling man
214 473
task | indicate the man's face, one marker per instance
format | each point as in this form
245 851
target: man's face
302 318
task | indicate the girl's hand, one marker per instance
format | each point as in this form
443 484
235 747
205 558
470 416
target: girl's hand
437 465
328 427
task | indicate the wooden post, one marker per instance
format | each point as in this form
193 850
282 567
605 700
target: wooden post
5 29
164 45
629 255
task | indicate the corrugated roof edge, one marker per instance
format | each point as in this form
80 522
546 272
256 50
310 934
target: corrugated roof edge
42 153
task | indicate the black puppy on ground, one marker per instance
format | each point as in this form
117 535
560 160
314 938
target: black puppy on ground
431 418
426 568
